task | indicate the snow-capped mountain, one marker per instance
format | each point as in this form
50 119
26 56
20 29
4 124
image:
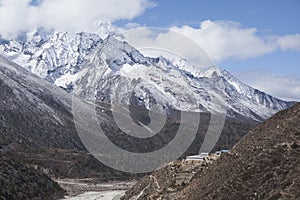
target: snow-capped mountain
107 69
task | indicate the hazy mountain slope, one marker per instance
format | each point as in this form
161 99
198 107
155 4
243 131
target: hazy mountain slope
33 112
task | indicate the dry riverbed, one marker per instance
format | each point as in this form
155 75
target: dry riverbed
78 189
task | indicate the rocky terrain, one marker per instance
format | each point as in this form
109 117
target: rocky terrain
262 165
169 180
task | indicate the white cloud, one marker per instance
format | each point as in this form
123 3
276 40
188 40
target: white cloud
283 87
132 25
224 40
67 15
289 42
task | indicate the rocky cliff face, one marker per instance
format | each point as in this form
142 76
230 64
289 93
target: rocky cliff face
262 165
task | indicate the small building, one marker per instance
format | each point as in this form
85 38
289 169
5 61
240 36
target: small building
224 151
195 157
200 157
218 153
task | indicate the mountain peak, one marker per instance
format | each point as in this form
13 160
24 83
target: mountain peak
103 27
193 69
212 71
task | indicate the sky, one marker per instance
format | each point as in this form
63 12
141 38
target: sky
257 41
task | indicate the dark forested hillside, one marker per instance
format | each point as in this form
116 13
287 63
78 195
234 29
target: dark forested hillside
17 181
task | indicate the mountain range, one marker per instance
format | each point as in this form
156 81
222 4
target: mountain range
94 67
